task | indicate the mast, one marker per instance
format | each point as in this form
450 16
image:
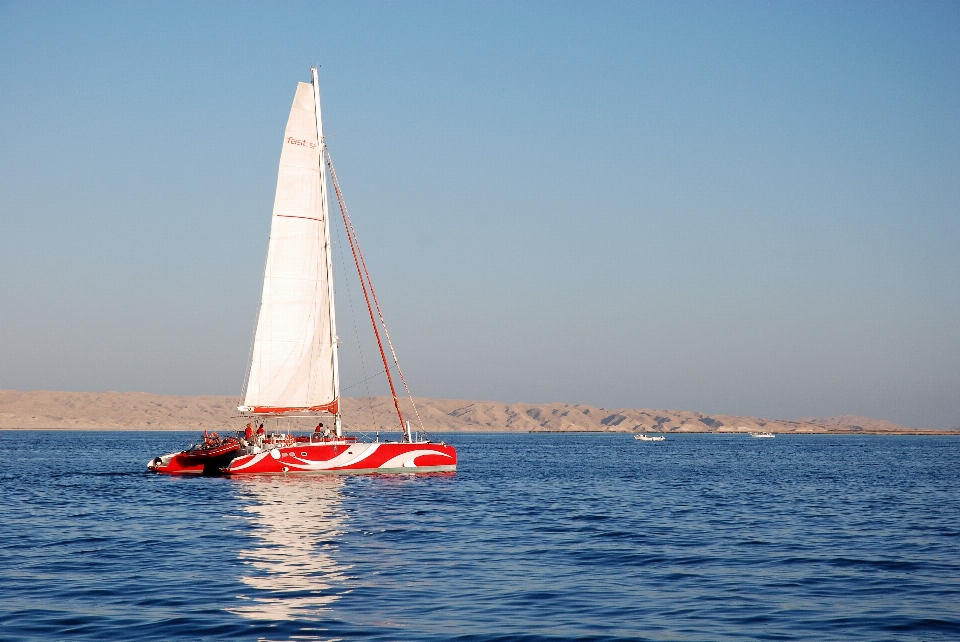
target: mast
328 254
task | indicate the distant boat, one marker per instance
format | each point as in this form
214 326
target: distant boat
294 363
762 435
649 438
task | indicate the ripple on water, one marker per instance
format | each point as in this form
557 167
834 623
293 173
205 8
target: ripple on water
594 537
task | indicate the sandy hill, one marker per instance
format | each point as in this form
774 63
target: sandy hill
143 411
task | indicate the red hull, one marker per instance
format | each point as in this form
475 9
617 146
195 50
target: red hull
343 457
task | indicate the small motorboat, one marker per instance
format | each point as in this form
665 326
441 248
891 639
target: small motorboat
649 438
762 435
211 447
212 453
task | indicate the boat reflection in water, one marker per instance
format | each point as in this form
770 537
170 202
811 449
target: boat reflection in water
293 567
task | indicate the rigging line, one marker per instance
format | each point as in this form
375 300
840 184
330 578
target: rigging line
353 248
354 385
386 332
348 220
356 333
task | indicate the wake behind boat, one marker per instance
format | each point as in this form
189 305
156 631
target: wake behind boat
294 363
649 438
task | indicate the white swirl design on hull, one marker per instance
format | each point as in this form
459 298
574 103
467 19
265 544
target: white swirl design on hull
349 457
406 459
256 459
352 455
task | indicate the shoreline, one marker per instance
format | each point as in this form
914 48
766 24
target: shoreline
140 411
920 432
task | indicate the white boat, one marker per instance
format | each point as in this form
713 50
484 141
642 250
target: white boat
762 435
294 364
649 438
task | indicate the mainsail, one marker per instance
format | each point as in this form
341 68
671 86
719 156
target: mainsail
293 365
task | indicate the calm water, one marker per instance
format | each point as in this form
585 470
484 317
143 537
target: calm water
592 537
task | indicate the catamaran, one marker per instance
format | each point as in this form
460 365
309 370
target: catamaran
294 364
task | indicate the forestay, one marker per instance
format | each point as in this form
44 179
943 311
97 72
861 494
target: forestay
293 364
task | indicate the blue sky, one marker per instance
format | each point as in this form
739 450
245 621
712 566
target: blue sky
743 208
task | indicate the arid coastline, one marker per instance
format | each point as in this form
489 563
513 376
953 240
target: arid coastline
41 409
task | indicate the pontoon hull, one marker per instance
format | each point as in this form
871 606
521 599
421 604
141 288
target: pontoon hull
355 458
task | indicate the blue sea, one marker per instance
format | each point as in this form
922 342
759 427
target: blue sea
537 537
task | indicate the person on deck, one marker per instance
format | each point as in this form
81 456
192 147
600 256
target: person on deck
321 431
260 434
248 433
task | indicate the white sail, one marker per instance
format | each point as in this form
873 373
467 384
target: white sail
293 365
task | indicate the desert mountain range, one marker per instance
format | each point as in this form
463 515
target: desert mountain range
143 411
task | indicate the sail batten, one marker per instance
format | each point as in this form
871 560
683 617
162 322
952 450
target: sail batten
293 365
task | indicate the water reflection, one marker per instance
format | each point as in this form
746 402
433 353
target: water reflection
293 568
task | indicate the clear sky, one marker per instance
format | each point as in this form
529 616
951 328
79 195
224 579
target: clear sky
743 208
